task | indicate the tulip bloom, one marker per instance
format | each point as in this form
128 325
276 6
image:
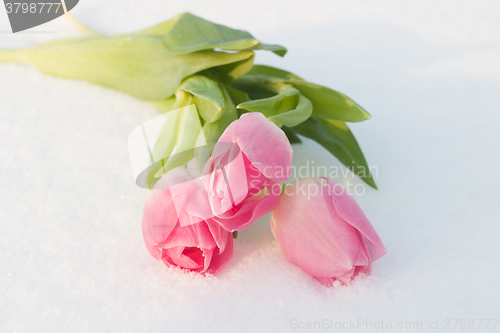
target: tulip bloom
202 246
323 231
244 174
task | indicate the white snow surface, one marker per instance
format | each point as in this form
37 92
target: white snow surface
72 254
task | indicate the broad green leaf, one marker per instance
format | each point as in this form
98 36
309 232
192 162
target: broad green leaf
288 108
230 72
295 116
331 104
176 136
327 103
273 72
250 87
284 101
336 137
203 87
275 48
292 137
208 111
237 96
191 33
179 133
137 65
214 130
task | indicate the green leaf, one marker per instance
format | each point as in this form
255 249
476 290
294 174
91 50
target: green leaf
203 87
336 137
250 87
178 138
237 96
331 104
327 103
191 33
292 137
293 117
275 48
208 111
288 108
214 130
230 72
273 72
137 65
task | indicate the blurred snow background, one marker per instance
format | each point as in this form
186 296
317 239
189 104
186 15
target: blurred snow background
72 256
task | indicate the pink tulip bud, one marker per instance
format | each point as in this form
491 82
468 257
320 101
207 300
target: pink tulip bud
245 172
202 246
323 231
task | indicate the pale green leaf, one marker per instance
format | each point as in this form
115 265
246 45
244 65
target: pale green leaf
203 87
295 116
288 108
230 72
177 141
214 130
273 72
137 65
191 33
331 104
207 110
237 96
327 103
292 137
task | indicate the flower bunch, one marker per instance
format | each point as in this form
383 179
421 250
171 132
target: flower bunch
216 158
319 226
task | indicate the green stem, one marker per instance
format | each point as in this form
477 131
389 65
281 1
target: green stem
11 56
81 27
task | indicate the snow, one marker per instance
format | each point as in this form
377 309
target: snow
73 257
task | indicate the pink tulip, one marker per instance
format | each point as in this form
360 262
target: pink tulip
202 246
244 175
323 231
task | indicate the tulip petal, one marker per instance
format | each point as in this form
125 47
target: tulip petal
311 233
227 182
158 221
264 143
221 257
349 210
347 277
194 235
193 246
247 212
327 281
208 255
189 196
363 261
220 235
186 257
